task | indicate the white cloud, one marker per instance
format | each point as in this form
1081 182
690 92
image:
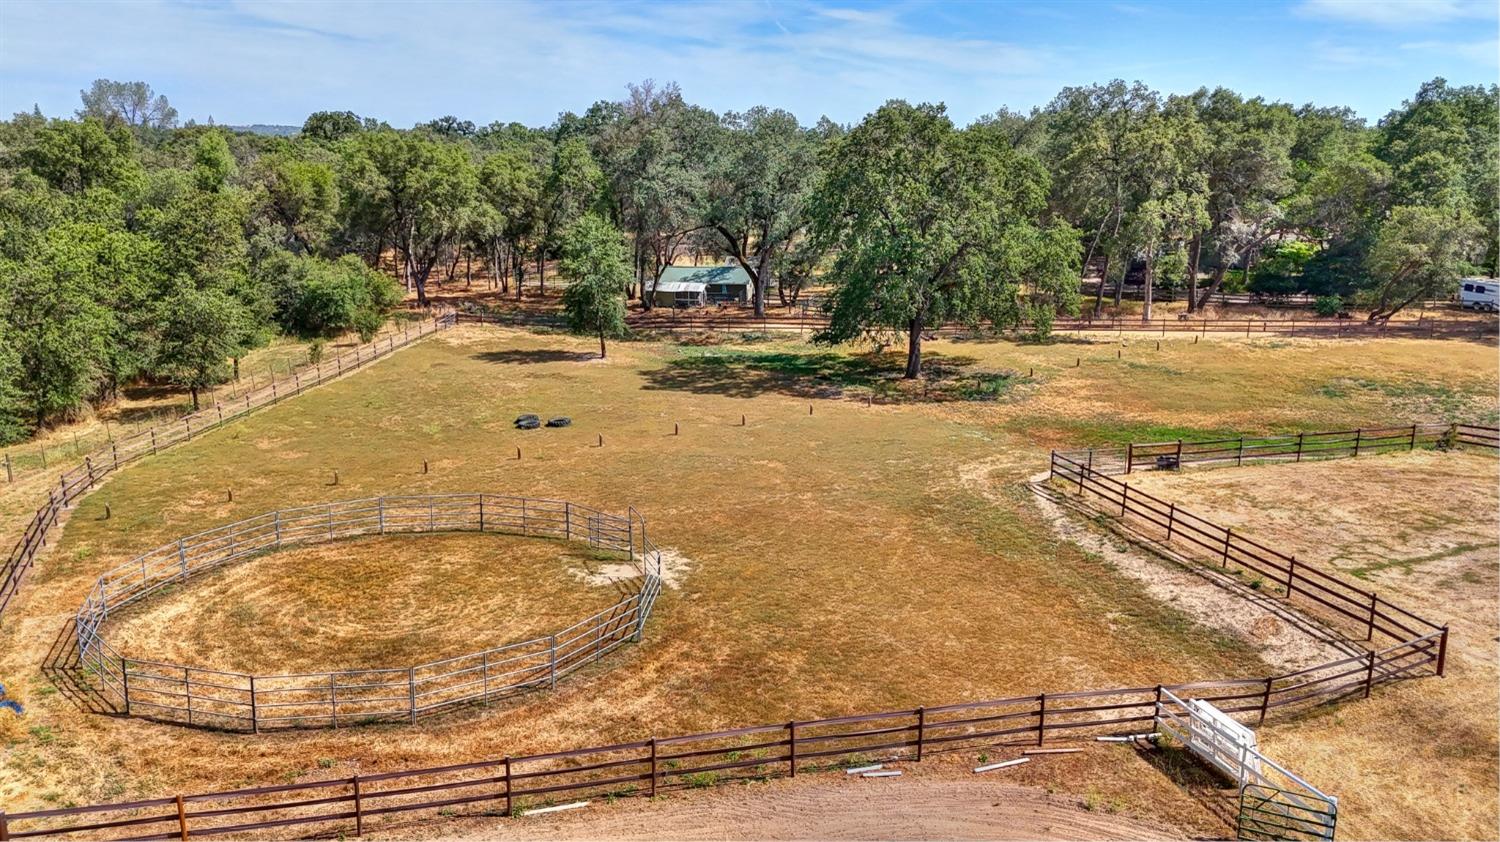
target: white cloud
1398 13
1484 51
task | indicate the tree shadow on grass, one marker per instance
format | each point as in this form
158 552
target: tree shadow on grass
825 374
546 355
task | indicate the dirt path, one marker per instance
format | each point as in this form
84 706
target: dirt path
900 808
1284 639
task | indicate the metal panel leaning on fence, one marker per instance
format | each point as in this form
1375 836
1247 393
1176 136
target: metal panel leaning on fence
80 479
238 701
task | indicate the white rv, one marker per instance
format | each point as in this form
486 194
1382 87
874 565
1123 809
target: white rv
1479 294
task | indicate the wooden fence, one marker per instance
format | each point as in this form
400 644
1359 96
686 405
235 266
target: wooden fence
75 482
239 701
1296 447
506 785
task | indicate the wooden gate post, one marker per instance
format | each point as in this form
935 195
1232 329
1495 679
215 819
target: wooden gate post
1041 719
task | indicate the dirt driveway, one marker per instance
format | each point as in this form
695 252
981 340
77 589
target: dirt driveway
898 808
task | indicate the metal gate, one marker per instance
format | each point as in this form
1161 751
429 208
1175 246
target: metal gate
1274 802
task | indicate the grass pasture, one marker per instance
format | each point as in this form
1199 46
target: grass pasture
855 558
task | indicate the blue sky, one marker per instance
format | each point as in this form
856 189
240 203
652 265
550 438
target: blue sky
526 60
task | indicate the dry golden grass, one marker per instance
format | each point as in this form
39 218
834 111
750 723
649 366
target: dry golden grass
1423 530
839 562
367 603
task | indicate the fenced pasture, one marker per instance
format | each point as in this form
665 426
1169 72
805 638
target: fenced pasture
80 479
782 615
201 696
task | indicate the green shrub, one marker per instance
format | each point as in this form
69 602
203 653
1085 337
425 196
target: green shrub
1328 305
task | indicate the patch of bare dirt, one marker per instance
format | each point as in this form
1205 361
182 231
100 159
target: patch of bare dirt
889 808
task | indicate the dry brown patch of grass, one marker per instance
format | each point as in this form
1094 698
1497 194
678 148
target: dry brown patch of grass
367 603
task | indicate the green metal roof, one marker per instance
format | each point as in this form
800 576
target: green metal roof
730 275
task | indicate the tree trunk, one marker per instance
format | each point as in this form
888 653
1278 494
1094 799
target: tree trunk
1103 279
1146 292
468 269
914 349
236 369
541 272
1194 254
193 390
762 280
601 340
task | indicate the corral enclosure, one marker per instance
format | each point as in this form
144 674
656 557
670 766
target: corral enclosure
830 555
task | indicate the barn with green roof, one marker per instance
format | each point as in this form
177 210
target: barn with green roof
689 286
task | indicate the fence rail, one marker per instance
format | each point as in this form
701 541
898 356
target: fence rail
240 701
77 481
1297 447
734 319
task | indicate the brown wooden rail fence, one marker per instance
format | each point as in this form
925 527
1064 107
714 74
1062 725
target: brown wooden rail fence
505 785
238 701
738 319
1276 570
1294 447
77 481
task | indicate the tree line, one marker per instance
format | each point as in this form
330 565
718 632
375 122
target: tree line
133 248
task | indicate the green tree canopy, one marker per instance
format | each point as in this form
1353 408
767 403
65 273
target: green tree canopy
594 261
931 224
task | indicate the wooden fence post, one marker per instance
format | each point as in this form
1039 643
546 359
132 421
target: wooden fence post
1171 520
1179 454
1041 718
1412 445
1358 434
359 812
1291 574
653 767
508 805
1124 497
4 826
411 692
1265 702
1370 674
1228 532
1051 465
1129 456
1299 447
1370 633
791 745
1442 652
181 818
921 730
125 682
1239 457
254 709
